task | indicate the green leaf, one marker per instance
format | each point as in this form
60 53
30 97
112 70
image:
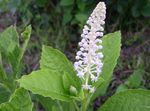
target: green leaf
19 101
98 83
26 36
146 11
130 100
135 79
46 102
135 11
81 17
55 60
3 75
4 93
121 88
66 2
55 105
9 39
111 51
41 3
9 47
47 83
81 5
67 18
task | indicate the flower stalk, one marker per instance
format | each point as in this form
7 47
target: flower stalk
89 58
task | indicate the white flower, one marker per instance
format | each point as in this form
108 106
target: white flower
88 59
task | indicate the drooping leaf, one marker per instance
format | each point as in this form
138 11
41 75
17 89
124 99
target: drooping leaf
19 101
53 59
47 83
111 51
130 100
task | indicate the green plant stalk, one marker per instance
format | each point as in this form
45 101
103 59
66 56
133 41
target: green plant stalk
59 105
85 101
84 104
76 106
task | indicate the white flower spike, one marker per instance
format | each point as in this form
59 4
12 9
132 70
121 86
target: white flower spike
88 59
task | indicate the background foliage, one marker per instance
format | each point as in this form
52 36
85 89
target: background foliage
58 23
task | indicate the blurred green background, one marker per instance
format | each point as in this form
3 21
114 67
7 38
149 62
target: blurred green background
58 23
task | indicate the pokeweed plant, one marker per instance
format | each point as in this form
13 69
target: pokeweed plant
72 88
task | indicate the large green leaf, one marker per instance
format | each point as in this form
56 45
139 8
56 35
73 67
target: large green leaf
19 101
111 51
130 100
45 82
53 59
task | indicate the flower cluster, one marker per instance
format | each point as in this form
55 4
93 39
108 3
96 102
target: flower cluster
89 58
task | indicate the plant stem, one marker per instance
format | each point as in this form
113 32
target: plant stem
84 105
86 101
59 105
76 106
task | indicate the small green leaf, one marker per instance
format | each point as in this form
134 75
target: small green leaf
19 101
135 79
26 36
121 88
81 17
9 39
135 11
111 51
67 18
47 83
81 5
130 100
